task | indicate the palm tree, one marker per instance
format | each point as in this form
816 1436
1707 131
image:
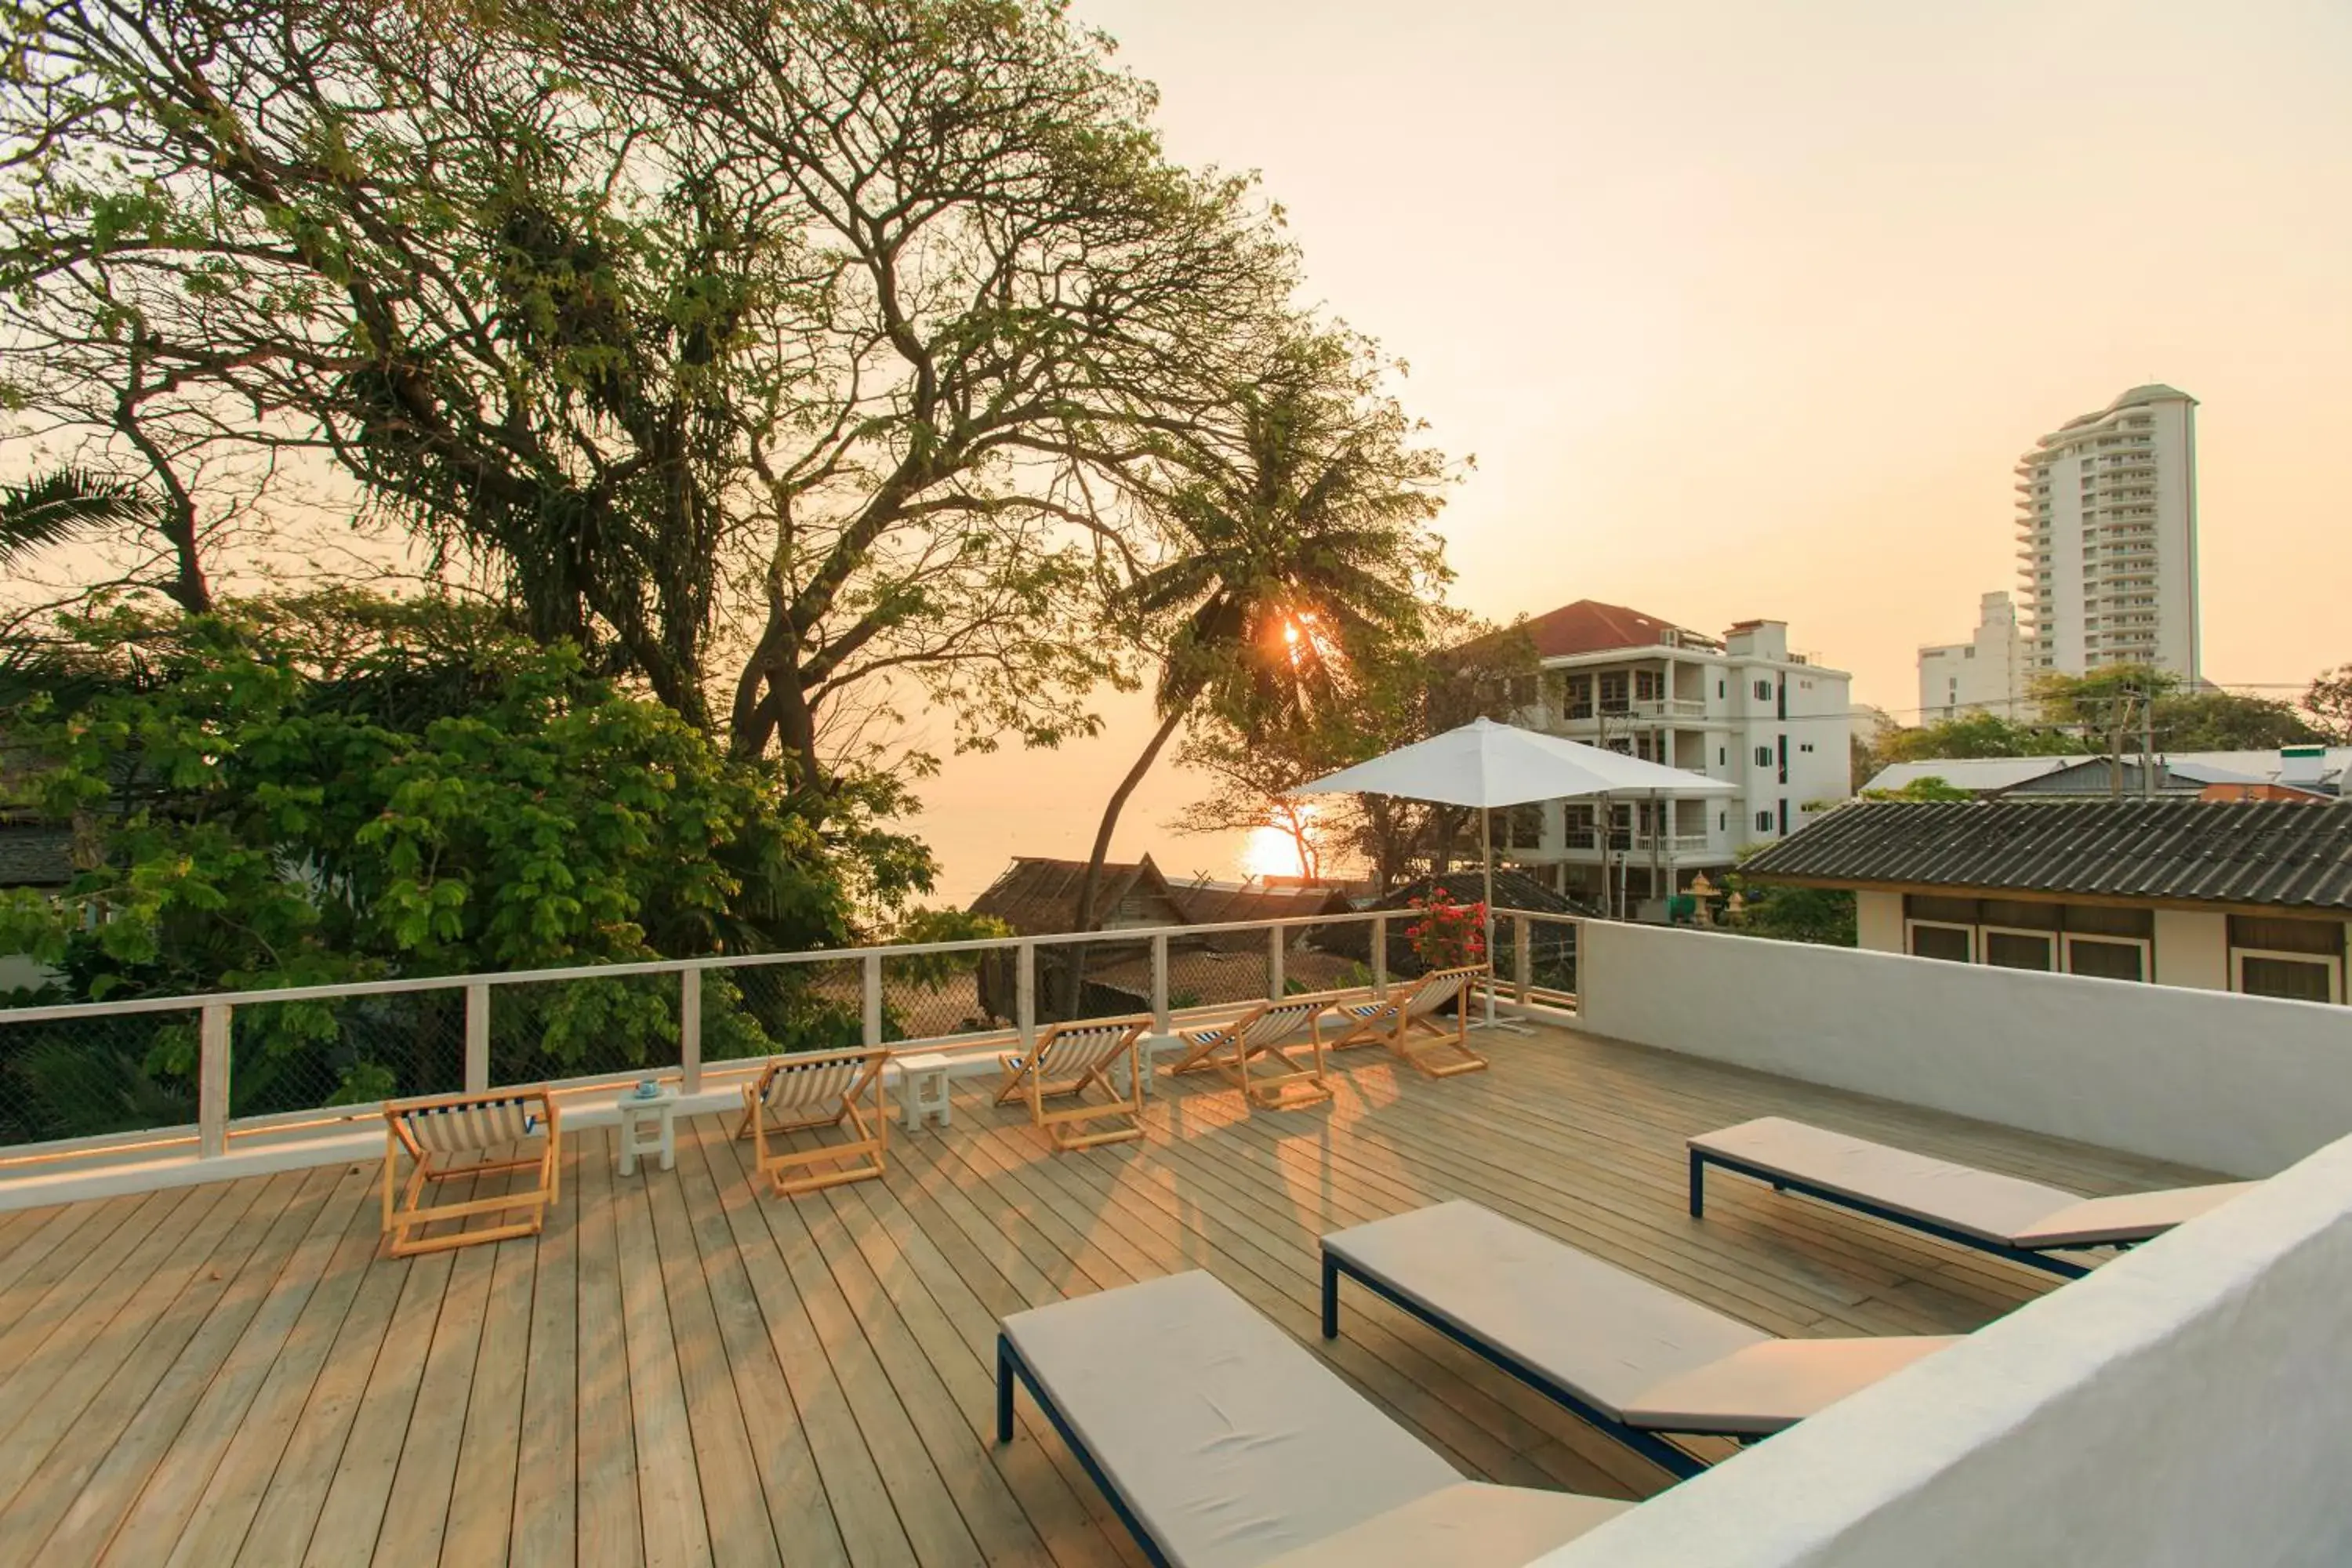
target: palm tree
1298 550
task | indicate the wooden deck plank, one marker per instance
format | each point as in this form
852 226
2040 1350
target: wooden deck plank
925 1507
78 1361
669 1495
233 1496
682 1369
731 1500
855 1492
605 1499
94 1470
543 1525
351 1516
155 1470
791 1487
423 1478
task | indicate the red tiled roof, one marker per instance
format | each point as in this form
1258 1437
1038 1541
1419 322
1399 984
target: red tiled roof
1591 626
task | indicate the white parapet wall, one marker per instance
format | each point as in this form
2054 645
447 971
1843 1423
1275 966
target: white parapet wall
2181 1405
2239 1083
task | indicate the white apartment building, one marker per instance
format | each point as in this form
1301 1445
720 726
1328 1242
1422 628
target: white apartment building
1741 708
1989 673
2106 537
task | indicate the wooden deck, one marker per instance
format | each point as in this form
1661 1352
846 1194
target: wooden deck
680 1371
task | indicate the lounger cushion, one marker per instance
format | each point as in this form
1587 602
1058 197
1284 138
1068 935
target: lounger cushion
1999 1209
1976 1202
1229 1442
1602 1335
2128 1216
1766 1387
1472 1525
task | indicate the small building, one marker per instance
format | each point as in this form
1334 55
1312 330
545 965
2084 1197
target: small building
1742 708
39 855
1986 674
2314 770
2253 897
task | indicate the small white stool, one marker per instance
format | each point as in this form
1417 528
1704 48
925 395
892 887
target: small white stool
1147 1056
649 1127
923 1091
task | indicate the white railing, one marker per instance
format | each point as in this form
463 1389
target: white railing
1164 968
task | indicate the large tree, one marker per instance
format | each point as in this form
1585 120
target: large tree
2328 701
858 326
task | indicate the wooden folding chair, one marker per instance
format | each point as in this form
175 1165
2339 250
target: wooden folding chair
803 1093
1069 1059
1411 1011
446 1138
1268 1030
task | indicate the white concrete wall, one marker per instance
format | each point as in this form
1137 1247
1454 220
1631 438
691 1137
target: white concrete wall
1878 920
2240 1084
2193 949
2181 1405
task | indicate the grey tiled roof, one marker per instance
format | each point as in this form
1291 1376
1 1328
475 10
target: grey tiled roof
34 855
2253 852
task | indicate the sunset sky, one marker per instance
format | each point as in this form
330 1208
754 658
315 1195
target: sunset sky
1747 310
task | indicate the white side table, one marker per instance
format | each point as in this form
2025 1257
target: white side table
923 1090
649 1127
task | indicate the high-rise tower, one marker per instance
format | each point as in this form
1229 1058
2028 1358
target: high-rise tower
2107 537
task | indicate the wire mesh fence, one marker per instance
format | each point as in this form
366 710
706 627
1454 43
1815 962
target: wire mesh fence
1222 969
317 1053
1107 978
579 1029
773 1009
1547 965
939 995
85 1078
1333 955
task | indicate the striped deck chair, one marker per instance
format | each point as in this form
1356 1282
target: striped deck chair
802 1093
1407 1012
1269 1030
450 1137
1068 1060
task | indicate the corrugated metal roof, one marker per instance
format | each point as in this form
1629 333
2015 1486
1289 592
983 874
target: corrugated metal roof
2250 852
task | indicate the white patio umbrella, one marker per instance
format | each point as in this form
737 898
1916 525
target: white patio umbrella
1486 765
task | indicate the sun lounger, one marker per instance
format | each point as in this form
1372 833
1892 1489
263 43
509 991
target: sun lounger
1069 1059
2001 1214
1406 1021
1271 1031
448 1138
805 1093
1635 1359
1223 1443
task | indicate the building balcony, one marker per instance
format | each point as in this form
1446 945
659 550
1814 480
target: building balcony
210 1361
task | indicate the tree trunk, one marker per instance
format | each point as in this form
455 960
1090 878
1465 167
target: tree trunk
1082 910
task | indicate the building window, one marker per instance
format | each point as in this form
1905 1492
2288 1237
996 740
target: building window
1612 691
2005 949
1763 822
1723 756
2107 958
2300 960
1763 691
1763 756
1956 944
1720 689
1645 686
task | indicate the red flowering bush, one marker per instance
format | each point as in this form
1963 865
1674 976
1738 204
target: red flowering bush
1447 935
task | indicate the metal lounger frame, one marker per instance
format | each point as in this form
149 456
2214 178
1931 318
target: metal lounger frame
1009 1366
1700 1159
1672 1460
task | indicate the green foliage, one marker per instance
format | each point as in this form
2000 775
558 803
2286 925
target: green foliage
263 800
1976 735
2228 721
2328 701
1930 787
1821 915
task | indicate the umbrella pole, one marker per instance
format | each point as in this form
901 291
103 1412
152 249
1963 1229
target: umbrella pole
1486 866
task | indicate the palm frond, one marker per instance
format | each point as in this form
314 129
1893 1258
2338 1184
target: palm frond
62 505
